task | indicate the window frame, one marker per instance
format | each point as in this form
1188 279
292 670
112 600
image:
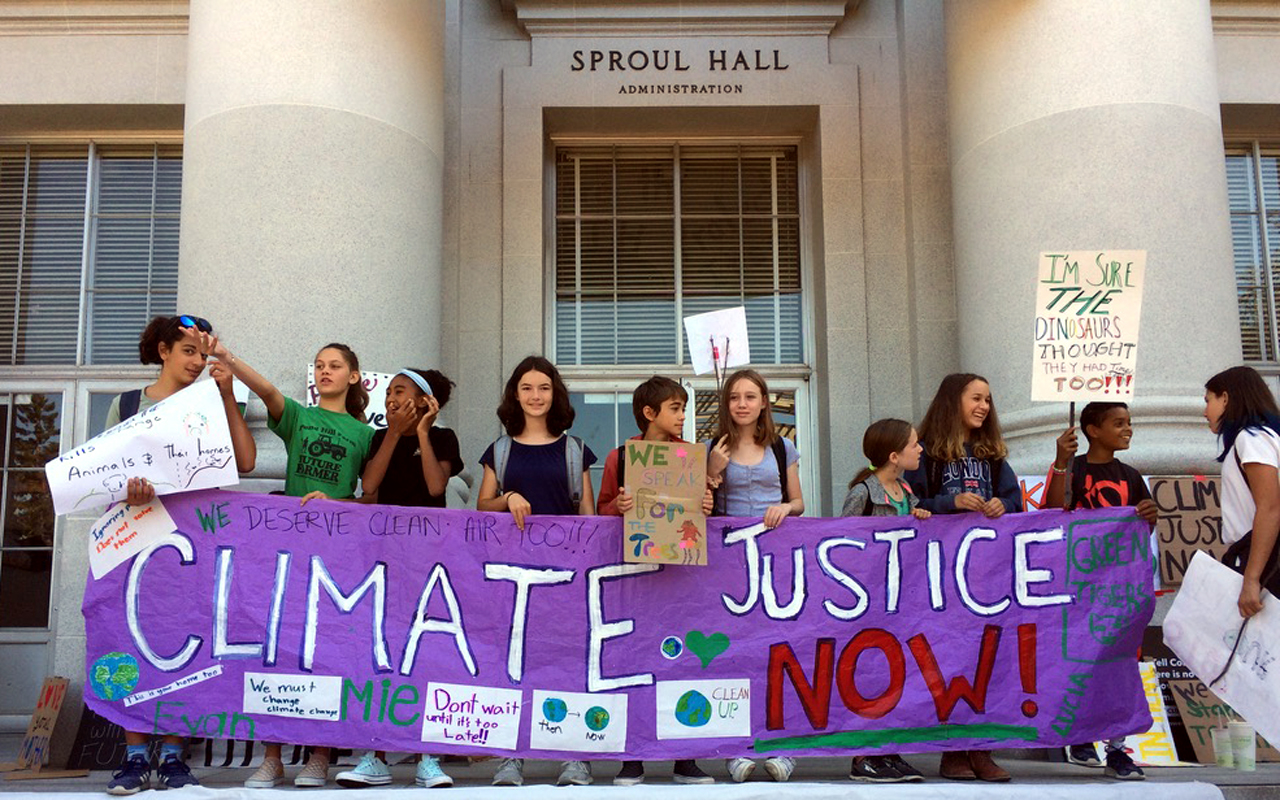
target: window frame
92 153
806 210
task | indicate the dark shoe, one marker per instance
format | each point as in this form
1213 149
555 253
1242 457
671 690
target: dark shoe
1083 755
955 766
688 771
985 768
1121 767
174 774
874 769
632 773
133 776
909 773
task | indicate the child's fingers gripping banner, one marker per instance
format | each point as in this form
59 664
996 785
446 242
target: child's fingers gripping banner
454 632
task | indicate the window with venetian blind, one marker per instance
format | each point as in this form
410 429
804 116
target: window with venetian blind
88 250
647 234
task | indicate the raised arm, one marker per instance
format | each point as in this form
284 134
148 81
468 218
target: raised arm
257 384
242 442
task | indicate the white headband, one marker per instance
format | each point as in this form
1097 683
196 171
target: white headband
417 379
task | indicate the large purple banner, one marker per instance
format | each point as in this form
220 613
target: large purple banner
454 632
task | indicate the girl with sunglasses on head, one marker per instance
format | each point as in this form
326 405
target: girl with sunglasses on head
325 447
175 344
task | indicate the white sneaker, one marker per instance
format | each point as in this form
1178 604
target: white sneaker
574 773
740 768
780 768
371 771
314 774
510 772
430 776
269 774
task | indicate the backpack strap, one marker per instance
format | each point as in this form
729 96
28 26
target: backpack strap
501 454
622 467
129 402
573 448
780 455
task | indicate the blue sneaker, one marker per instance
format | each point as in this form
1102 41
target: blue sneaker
133 776
174 774
430 776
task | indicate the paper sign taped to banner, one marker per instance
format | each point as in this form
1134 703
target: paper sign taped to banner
1088 305
123 532
180 444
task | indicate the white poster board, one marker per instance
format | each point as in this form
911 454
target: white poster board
123 532
1088 306
718 337
180 444
374 382
1203 625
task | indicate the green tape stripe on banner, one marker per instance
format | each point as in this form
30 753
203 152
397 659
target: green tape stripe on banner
898 736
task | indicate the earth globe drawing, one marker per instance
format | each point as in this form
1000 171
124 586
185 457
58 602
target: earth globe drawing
597 718
114 676
554 709
693 709
672 647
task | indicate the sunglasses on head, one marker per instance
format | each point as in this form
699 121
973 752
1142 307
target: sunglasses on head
199 323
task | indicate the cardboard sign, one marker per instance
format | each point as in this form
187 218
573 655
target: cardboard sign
1201 711
179 444
1088 304
375 383
1204 628
668 481
123 532
718 339
406 629
1190 521
34 752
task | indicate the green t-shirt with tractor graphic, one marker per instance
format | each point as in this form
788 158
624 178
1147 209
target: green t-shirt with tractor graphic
326 449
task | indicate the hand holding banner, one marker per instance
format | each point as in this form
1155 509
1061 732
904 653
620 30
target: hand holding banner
179 444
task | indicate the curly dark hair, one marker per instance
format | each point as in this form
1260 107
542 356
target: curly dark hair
561 414
160 330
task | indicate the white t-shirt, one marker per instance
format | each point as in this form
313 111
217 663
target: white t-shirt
1254 446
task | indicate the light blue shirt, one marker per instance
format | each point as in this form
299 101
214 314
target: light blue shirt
749 489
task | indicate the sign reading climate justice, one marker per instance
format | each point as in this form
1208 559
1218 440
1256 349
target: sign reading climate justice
441 631
1088 305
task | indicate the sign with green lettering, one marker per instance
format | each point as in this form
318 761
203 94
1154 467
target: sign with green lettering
1088 304
666 525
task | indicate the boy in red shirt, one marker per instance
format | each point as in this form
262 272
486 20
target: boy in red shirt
658 405
1100 480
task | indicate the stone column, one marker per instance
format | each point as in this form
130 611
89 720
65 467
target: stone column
313 176
1081 124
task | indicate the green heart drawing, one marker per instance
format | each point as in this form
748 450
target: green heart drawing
706 648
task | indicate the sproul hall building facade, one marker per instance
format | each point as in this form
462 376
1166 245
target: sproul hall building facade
459 184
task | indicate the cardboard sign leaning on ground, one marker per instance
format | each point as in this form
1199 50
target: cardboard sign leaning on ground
1190 521
1088 304
1201 710
1202 628
179 444
455 632
668 481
